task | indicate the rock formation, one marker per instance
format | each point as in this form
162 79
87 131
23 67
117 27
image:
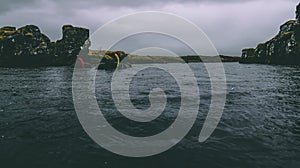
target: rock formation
284 48
67 49
28 47
109 60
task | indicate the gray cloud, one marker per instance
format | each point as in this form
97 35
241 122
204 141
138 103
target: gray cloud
230 24
8 5
135 3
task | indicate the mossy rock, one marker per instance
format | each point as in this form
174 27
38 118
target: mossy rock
8 28
248 49
288 33
121 54
107 57
29 34
67 27
111 53
283 35
2 37
289 22
10 32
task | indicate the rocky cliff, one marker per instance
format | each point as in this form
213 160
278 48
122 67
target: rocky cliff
284 48
28 47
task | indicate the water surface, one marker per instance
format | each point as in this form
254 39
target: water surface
260 126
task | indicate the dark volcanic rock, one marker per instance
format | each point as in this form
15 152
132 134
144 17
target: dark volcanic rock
284 48
109 60
297 26
67 49
27 46
247 55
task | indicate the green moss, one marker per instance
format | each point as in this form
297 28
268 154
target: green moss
290 22
8 28
288 33
109 53
29 34
107 57
285 34
9 32
2 37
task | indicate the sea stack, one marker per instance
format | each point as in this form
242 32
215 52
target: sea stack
29 47
67 49
284 48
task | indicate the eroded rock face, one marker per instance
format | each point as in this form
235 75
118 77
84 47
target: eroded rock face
24 46
67 49
284 48
248 52
27 46
247 55
297 26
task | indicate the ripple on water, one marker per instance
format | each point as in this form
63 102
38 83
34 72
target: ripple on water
260 126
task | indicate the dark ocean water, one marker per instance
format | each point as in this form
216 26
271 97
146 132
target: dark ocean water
260 126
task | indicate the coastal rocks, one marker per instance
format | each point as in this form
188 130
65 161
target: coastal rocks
284 48
24 46
67 49
248 52
110 59
297 26
28 47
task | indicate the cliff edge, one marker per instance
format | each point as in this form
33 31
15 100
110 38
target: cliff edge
284 48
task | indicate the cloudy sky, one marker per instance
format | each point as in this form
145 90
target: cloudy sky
230 24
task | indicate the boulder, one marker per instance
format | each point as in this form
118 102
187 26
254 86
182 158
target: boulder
109 61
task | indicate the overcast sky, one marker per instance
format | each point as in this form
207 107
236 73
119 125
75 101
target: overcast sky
230 24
